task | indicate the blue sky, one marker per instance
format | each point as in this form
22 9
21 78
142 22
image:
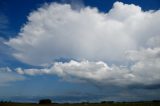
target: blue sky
72 51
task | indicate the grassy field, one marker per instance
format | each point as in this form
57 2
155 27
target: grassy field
105 104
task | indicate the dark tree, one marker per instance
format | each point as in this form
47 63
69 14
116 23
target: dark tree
45 101
103 102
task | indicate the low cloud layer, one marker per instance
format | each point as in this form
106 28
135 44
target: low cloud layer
144 72
120 47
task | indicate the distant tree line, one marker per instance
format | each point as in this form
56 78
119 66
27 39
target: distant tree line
48 101
2 101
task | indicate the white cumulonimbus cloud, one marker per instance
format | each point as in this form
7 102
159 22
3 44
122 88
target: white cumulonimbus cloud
56 30
125 34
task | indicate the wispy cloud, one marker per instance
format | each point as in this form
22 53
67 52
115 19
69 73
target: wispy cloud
3 22
7 76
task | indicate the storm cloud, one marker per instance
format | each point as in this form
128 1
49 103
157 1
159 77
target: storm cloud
120 47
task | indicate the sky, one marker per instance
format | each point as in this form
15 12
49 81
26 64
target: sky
79 50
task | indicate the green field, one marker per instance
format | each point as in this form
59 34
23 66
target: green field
92 104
